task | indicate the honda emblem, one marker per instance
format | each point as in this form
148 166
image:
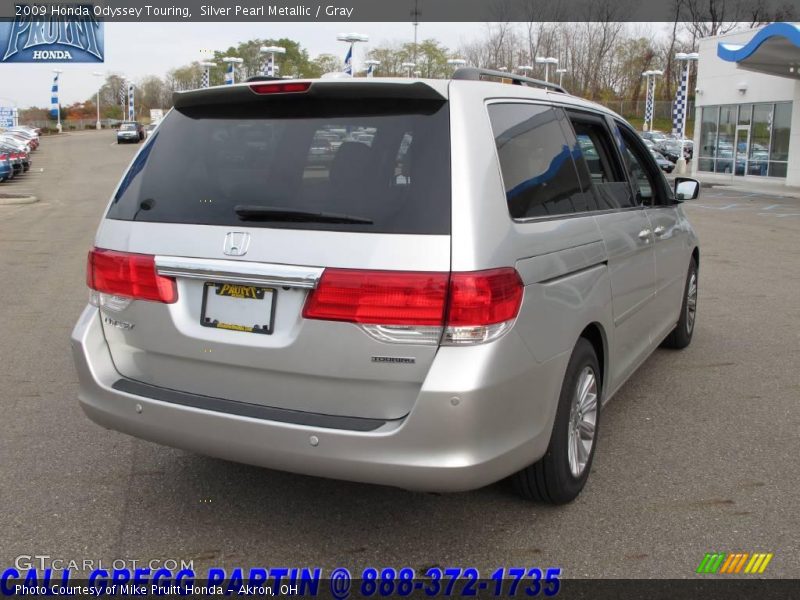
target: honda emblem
236 243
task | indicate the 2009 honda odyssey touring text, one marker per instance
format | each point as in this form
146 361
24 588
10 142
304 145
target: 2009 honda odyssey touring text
422 283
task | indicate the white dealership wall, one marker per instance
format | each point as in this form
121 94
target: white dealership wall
718 83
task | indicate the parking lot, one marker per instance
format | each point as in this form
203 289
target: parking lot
697 452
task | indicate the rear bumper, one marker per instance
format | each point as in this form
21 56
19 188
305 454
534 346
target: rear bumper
473 423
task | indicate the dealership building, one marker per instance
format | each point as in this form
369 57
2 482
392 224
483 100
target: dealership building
747 120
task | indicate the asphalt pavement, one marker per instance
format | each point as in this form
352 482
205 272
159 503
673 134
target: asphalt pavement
697 453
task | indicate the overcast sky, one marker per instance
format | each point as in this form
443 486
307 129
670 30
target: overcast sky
139 49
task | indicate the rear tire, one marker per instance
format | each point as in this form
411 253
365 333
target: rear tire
681 336
561 473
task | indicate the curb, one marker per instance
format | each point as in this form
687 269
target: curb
765 190
18 200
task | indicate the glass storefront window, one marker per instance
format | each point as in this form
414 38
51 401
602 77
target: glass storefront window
760 130
708 132
777 169
745 112
725 139
764 131
781 125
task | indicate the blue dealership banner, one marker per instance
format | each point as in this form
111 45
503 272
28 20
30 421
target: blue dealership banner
36 36
6 116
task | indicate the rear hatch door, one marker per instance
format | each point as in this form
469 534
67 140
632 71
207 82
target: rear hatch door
245 199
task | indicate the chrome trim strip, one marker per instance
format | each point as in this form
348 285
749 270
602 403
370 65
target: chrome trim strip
230 271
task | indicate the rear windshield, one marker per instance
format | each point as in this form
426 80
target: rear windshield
127 126
383 165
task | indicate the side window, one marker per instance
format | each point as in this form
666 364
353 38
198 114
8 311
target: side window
536 161
599 155
645 176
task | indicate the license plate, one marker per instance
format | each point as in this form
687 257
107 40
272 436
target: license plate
237 307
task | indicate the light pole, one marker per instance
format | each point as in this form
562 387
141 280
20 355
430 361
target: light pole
268 68
650 76
408 66
546 61
683 101
456 63
560 73
230 74
56 100
371 64
352 39
98 126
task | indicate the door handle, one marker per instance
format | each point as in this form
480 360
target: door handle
660 230
644 235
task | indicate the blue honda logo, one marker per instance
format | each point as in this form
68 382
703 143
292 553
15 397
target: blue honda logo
36 35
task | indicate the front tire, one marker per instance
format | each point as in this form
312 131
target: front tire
561 473
681 336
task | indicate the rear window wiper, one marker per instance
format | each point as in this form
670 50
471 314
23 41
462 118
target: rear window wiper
250 212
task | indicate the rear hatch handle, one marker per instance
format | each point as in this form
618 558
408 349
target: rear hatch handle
227 271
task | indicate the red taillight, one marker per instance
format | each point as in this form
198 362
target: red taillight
3 156
14 155
131 275
484 297
421 299
291 87
379 297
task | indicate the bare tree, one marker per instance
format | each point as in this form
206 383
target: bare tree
716 17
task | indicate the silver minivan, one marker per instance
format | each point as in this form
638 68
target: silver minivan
446 299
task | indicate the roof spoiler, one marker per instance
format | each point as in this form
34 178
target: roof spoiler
333 88
477 74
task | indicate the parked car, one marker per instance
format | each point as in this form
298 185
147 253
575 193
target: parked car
657 137
440 329
6 170
17 140
24 135
130 131
149 129
663 164
20 160
19 149
321 152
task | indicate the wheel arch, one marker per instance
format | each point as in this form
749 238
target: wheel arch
596 336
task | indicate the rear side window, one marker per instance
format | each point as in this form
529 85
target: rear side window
599 155
536 160
380 166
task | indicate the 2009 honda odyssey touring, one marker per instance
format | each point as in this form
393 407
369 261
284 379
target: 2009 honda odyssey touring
446 299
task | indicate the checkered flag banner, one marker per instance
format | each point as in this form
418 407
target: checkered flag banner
348 61
268 68
679 106
648 111
54 98
205 78
130 102
123 92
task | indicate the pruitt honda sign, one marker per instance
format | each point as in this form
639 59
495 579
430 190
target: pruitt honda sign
57 33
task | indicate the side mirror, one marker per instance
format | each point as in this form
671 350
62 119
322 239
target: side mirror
686 188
